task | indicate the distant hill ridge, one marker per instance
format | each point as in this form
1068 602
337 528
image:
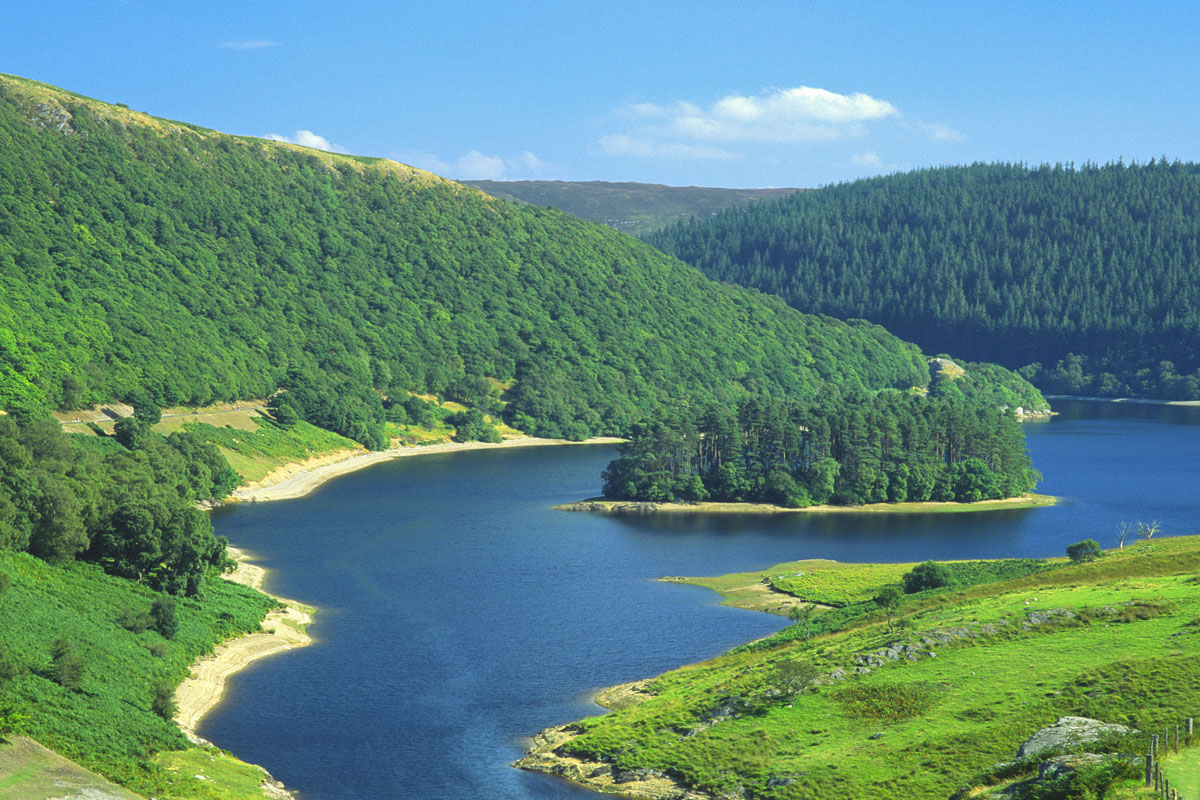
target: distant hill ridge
1088 278
633 208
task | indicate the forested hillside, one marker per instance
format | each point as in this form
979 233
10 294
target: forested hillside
1084 277
633 208
137 252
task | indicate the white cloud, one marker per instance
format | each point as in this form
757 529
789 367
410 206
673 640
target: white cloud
527 162
308 139
682 129
475 165
249 44
644 147
939 132
867 158
801 114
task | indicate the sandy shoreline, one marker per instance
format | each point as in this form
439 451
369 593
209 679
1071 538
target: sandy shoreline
605 506
296 480
1135 400
282 629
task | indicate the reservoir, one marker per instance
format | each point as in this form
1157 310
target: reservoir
460 613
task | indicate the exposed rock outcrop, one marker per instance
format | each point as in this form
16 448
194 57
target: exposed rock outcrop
1069 732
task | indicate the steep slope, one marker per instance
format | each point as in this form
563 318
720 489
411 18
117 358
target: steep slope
1088 273
633 208
142 253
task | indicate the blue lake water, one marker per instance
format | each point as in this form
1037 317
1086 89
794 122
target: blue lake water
459 613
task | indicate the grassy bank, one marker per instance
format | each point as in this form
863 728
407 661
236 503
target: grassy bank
841 710
104 719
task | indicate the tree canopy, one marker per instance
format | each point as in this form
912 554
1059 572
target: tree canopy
892 447
150 259
1085 277
132 510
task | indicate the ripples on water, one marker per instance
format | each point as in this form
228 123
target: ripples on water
460 613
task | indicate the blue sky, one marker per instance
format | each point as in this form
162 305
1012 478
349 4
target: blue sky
799 93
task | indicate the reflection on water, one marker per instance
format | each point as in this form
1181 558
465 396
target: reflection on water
459 612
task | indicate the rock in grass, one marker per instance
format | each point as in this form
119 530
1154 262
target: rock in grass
1069 732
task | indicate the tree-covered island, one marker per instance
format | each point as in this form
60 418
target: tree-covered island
892 447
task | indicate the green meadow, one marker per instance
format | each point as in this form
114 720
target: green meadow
818 712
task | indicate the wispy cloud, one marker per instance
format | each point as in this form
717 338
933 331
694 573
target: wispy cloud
308 139
475 165
249 44
939 132
867 158
619 144
871 162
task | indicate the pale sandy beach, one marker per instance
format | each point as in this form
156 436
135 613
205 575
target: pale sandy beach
283 629
1133 400
297 480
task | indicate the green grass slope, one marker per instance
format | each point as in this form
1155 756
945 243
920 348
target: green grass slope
106 722
29 771
633 208
846 713
1087 276
139 252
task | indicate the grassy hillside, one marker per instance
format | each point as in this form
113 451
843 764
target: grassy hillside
633 208
1086 277
104 717
843 707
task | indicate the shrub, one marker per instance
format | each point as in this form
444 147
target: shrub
134 621
1087 550
888 702
66 666
929 575
163 614
9 666
163 702
11 720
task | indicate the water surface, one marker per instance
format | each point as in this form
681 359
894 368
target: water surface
460 613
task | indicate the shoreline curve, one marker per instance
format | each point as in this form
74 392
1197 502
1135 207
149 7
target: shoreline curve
300 478
284 628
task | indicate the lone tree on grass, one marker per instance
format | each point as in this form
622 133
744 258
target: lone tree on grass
1087 550
1123 531
889 599
802 616
1146 530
